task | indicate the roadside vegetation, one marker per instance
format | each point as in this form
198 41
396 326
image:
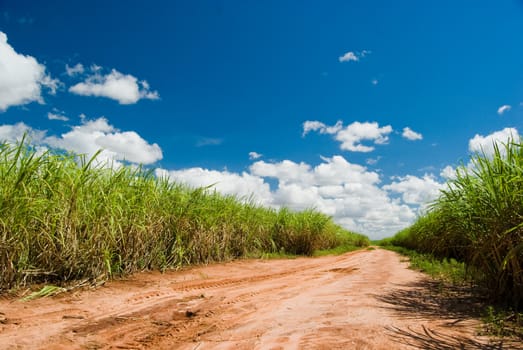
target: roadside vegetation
478 221
349 242
446 270
67 218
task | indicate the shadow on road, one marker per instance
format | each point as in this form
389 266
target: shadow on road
451 305
433 340
428 298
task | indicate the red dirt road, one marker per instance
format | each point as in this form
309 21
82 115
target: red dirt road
362 300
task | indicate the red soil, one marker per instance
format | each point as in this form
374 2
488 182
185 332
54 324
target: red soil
362 300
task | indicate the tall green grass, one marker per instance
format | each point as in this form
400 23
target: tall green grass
478 219
64 217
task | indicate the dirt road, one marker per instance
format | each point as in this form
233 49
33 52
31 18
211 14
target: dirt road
361 300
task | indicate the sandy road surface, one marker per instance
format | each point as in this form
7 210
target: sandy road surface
361 300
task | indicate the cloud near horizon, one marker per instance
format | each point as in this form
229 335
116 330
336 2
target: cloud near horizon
88 138
356 197
416 190
350 193
485 144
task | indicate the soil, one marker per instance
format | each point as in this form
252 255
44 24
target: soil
366 299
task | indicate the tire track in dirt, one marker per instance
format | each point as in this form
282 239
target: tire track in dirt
353 301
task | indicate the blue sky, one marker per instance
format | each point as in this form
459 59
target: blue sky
360 109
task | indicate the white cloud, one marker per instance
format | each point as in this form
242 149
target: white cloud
348 192
56 115
353 56
416 190
15 133
411 135
255 155
448 173
349 56
124 88
76 69
314 125
22 77
352 135
288 171
503 109
51 84
89 137
485 144
338 169
93 135
242 185
351 193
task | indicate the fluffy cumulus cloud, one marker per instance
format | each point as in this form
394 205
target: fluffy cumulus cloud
93 135
22 78
350 193
485 144
352 135
411 135
348 56
448 173
88 138
503 109
288 172
124 88
416 190
242 185
16 132
352 56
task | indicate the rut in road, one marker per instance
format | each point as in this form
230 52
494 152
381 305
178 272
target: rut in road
367 299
